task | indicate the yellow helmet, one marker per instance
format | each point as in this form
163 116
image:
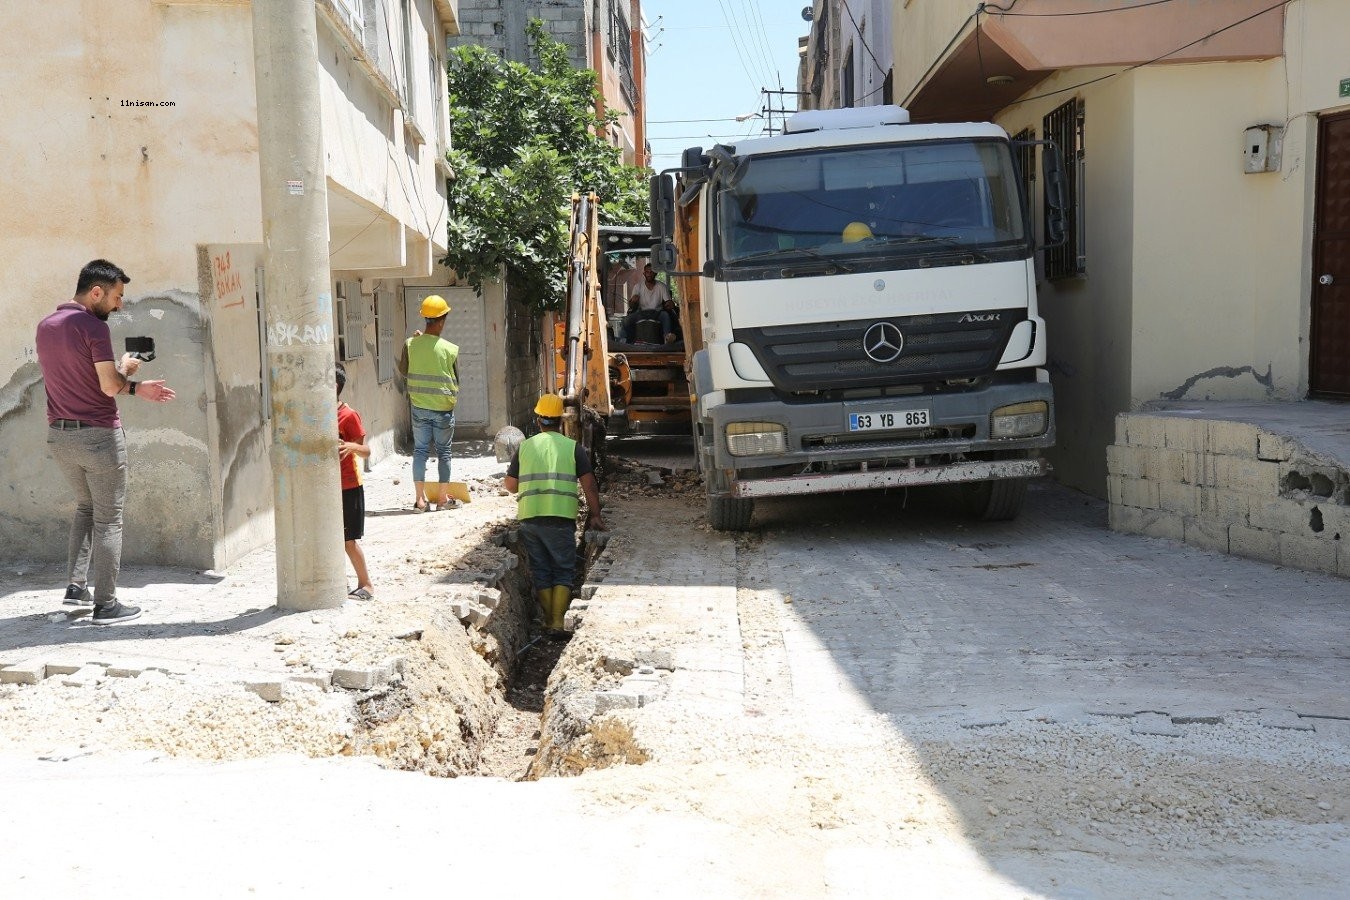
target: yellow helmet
856 231
434 307
550 406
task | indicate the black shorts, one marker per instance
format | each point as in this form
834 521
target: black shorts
354 513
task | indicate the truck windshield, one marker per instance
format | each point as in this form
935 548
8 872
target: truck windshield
857 202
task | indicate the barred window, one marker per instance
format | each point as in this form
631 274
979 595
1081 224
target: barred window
1064 126
348 319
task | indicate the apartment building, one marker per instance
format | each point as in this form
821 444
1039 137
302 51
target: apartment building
131 134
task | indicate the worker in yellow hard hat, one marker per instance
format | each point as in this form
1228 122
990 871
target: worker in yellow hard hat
430 365
547 470
856 231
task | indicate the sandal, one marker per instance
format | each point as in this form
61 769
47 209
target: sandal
361 594
421 507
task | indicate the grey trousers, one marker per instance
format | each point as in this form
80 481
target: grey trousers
94 461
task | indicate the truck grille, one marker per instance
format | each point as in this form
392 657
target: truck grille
830 354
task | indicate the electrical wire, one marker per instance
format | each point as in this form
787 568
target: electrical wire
736 41
1155 59
1081 12
858 31
756 21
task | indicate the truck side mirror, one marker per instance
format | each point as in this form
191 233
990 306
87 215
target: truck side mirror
663 257
1056 196
662 201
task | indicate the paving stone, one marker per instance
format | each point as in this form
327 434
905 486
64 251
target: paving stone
607 701
984 721
85 676
1197 718
1154 723
29 671
321 680
269 689
360 678
1286 719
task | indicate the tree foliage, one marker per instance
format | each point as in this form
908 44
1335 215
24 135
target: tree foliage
524 140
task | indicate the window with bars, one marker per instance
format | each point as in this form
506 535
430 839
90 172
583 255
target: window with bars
406 92
386 335
348 318
1064 126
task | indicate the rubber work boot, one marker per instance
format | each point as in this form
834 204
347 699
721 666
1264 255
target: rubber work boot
545 598
562 598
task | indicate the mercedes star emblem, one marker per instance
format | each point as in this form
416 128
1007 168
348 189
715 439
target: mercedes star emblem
883 342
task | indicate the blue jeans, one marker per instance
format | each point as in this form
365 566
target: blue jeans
630 322
94 461
432 426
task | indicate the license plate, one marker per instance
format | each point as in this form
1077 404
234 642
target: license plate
894 418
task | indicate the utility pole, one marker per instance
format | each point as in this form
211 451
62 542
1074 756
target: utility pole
311 568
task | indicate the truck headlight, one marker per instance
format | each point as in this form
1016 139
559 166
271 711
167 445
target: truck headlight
753 438
1019 420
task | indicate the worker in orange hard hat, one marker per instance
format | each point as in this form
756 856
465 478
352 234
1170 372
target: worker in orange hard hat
430 365
547 470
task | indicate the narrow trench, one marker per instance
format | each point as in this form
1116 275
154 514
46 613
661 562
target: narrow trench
511 749
393 722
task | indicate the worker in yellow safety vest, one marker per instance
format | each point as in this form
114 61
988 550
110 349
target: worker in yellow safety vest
430 365
547 471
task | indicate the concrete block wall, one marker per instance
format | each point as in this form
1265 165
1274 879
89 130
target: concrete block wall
1229 486
499 25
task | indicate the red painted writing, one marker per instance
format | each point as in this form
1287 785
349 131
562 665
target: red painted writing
229 283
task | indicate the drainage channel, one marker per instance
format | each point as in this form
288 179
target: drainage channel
469 695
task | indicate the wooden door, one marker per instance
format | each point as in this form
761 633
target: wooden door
1329 362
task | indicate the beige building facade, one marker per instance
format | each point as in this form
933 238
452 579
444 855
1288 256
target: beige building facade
1208 154
132 135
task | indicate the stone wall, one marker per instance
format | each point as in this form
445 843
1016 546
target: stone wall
1229 486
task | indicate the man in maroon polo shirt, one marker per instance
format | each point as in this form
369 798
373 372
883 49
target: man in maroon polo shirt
84 433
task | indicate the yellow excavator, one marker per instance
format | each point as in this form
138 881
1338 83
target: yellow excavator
611 386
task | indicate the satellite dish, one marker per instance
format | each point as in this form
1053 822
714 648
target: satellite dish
807 15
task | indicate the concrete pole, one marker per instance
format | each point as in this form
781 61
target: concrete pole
311 563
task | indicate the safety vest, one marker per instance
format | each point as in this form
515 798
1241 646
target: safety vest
431 372
548 476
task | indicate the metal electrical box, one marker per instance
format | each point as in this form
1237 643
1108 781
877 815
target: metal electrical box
1261 148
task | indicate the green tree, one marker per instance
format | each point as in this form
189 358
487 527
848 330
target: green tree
524 140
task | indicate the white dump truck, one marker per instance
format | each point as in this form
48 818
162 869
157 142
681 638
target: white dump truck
858 296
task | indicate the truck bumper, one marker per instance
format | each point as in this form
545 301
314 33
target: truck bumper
865 480
818 441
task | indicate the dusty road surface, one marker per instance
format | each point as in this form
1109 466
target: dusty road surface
862 697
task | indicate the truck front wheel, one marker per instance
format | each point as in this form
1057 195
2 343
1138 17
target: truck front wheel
994 501
725 513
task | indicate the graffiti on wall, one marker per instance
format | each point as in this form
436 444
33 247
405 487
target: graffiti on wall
228 281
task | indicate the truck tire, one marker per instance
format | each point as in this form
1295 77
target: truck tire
730 513
994 501
725 513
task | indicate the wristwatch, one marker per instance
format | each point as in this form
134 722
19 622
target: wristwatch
131 387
